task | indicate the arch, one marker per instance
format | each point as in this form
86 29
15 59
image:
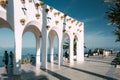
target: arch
66 46
70 44
4 23
79 48
52 33
7 39
35 28
67 33
75 44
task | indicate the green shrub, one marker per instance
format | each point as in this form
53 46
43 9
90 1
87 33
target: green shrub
25 61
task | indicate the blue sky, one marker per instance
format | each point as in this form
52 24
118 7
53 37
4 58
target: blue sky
92 12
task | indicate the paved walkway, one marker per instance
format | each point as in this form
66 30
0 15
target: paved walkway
94 68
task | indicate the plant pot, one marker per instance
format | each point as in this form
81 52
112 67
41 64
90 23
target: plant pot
3 3
22 21
37 15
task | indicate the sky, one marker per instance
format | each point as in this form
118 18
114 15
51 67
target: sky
97 34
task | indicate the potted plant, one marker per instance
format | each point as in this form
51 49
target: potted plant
37 5
51 8
55 13
47 26
3 3
23 1
37 15
30 0
58 13
62 17
41 3
69 27
22 21
56 22
46 10
64 30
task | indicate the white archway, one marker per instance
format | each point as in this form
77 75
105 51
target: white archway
55 32
70 50
34 27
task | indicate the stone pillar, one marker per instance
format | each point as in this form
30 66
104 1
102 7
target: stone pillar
51 51
17 56
59 53
44 38
71 51
78 51
80 46
38 52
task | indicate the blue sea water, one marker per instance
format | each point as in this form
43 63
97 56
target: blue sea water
25 53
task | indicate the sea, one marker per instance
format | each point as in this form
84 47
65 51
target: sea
32 51
25 52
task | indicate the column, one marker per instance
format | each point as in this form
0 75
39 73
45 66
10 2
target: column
51 50
71 51
17 56
59 53
80 46
44 38
38 52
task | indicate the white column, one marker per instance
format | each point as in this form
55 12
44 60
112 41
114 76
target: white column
59 53
71 51
80 46
78 51
51 50
44 39
17 56
38 52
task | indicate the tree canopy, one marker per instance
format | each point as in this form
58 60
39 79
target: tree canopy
113 14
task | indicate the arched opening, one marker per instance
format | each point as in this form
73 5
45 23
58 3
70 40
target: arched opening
53 46
28 48
66 47
6 43
33 43
75 42
6 40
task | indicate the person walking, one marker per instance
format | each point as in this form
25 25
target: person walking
5 60
11 58
66 56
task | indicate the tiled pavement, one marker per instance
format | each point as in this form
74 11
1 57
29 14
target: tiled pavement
94 68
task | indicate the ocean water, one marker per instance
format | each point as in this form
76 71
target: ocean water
25 52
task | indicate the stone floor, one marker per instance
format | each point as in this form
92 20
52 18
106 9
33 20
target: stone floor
94 68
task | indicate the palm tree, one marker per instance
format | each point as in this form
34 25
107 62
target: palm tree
114 16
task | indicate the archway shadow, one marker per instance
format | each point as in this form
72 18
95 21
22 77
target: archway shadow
91 73
25 75
60 77
99 61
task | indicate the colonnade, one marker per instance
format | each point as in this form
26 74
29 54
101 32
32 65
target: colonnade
45 22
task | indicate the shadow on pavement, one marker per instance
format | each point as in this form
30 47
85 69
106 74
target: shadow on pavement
60 77
30 75
92 73
99 61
